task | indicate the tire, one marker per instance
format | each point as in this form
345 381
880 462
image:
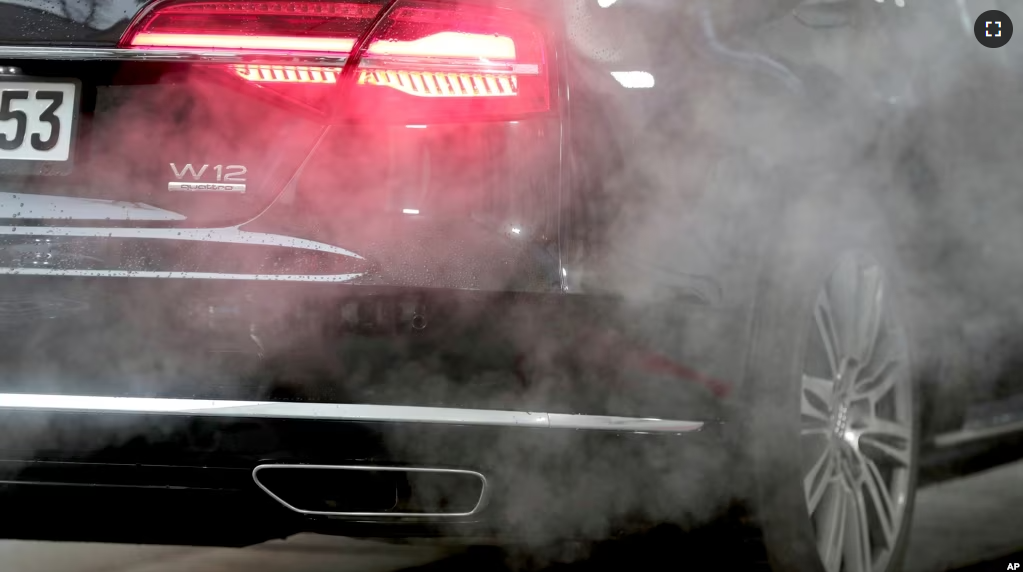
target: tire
830 433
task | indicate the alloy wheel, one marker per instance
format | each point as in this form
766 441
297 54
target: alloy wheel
857 426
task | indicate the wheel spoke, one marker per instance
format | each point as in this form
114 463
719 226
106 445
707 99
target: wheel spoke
824 317
842 291
816 397
875 385
885 441
830 531
881 499
818 479
857 553
814 430
869 313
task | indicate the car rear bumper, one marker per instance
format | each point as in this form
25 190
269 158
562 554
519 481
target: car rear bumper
96 443
186 474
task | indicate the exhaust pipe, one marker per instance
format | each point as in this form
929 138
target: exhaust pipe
374 491
419 317
419 322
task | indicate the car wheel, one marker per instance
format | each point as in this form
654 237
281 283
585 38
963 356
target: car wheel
832 419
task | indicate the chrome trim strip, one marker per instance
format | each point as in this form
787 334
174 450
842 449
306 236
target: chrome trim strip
75 272
35 206
340 412
182 55
480 504
954 438
630 424
230 235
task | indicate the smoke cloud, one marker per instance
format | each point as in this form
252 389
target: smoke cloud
676 188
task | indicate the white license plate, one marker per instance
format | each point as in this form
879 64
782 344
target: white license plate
37 119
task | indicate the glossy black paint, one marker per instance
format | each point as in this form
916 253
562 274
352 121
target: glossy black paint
532 474
360 344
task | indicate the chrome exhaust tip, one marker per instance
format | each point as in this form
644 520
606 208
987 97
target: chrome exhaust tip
369 491
419 322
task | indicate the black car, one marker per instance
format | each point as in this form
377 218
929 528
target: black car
515 269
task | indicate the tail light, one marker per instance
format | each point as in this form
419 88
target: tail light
421 61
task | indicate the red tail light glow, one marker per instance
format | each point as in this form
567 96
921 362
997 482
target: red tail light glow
322 27
287 74
440 84
449 45
445 61
223 41
428 60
